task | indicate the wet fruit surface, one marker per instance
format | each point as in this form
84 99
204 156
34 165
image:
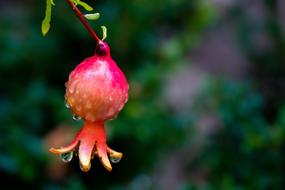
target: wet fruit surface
96 91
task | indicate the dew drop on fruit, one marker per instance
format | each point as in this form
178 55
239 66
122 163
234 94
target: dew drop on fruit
115 159
66 157
76 117
67 105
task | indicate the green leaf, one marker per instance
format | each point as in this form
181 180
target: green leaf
83 4
104 30
46 20
94 16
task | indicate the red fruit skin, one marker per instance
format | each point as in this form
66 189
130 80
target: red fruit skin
97 89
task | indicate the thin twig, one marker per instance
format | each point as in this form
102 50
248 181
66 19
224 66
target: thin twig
83 20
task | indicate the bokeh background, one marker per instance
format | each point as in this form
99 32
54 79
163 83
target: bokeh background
207 89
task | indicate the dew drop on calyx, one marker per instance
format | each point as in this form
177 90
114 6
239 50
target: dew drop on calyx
76 117
115 159
66 157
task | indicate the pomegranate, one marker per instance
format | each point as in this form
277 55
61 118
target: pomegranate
96 91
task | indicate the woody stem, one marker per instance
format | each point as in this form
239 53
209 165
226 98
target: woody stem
83 20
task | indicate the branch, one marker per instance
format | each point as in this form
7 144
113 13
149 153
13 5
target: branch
83 20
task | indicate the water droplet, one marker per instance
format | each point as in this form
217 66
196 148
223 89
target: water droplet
71 90
66 157
76 117
67 105
115 159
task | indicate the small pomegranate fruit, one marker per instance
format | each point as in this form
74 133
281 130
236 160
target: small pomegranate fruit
96 91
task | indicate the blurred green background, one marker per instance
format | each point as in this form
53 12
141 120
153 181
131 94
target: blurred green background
207 87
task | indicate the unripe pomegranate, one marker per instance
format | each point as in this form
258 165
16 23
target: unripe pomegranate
96 91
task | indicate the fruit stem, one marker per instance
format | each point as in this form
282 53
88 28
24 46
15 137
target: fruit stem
83 20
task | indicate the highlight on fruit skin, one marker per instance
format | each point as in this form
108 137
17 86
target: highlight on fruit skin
96 91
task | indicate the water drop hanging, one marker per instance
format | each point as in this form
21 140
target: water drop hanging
115 159
76 117
67 105
66 157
